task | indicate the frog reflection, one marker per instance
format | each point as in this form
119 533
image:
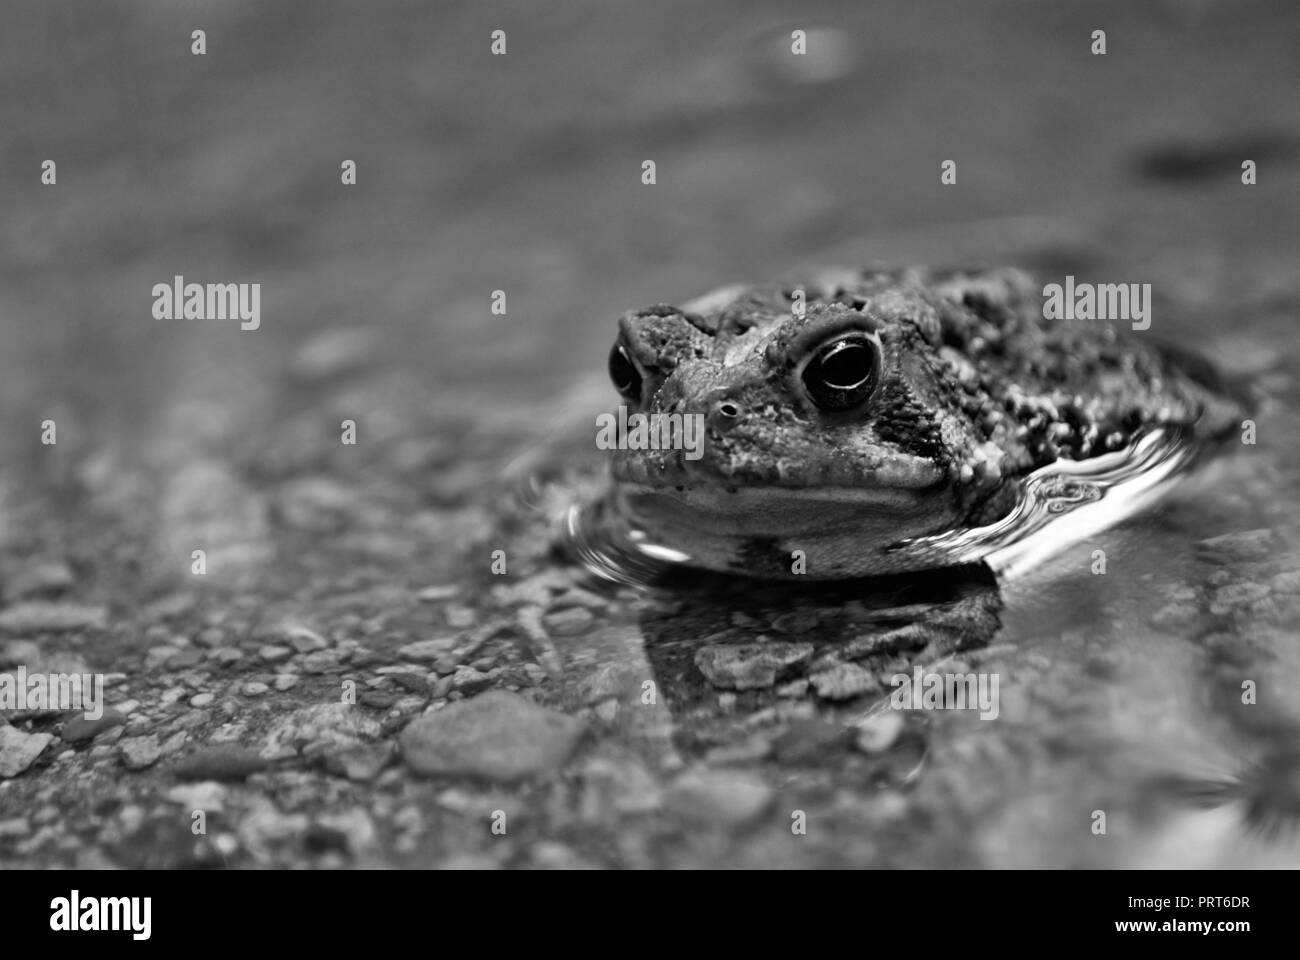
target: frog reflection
792 671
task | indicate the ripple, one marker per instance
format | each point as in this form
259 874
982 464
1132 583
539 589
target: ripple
1059 505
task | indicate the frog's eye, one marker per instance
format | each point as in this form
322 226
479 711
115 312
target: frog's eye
626 377
843 372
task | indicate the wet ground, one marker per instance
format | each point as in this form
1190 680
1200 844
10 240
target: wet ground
350 683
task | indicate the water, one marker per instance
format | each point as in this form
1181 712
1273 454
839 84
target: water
1118 654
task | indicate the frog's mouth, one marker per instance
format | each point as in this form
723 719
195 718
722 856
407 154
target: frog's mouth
837 479
691 513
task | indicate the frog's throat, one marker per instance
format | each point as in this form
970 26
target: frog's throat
844 531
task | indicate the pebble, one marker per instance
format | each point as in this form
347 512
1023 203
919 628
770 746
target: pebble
228 733
207 795
722 797
535 672
470 681
795 688
1237 597
569 622
303 639
15 652
324 728
426 651
139 752
809 740
446 665
844 681
435 593
878 733
334 353
111 735
306 641
83 730
274 654
749 666
254 688
611 787
185 660
497 736
18 750
549 855
577 596
750 750
200 700
192 718
357 656
42 579
171 606
319 661
796 621
157 656
210 637
1287 583
285 681
225 762
173 743
1174 615
460 616
411 682
353 827
227 656
440 688
361 764
1235 547
411 704
408 820
35 616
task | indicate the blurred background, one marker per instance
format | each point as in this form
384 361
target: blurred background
523 173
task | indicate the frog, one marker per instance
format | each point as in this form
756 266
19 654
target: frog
850 415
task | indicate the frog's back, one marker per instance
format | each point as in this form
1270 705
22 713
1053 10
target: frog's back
1045 387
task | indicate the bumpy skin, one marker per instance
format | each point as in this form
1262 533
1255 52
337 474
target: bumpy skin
976 390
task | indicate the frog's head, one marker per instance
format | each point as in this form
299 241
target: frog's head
835 430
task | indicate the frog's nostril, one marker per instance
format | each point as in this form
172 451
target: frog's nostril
724 414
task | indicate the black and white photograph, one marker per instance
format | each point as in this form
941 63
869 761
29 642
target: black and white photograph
649 436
